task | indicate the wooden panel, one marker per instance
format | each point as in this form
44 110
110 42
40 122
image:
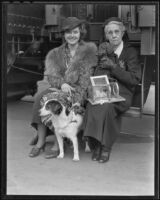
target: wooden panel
95 31
146 16
148 41
104 11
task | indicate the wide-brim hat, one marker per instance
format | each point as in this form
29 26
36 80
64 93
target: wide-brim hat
112 19
70 23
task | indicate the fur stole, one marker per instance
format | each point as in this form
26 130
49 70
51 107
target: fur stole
77 75
83 63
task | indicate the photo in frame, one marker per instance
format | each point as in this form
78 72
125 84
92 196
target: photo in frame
104 90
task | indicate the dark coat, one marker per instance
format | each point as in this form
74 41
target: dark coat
103 122
127 73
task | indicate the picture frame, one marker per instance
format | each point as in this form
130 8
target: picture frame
99 80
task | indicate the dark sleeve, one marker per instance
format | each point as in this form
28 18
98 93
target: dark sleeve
131 72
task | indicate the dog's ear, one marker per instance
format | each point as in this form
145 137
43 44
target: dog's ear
55 107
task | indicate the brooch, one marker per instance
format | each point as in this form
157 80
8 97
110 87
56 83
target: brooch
121 64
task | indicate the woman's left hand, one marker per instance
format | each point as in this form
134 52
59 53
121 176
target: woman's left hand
67 88
107 63
76 104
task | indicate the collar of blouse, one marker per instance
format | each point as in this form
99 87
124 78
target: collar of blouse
119 49
68 56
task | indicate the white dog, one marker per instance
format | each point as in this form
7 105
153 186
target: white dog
65 119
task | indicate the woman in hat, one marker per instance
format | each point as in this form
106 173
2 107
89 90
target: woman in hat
68 68
118 60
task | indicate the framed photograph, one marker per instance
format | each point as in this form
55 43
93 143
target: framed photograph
99 80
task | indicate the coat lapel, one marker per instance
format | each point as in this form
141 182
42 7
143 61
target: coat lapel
123 53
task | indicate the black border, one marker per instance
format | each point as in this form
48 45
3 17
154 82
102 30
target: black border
3 20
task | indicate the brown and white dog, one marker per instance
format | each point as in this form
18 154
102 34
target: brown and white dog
66 120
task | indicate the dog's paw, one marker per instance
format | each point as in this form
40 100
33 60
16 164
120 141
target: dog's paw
76 159
60 156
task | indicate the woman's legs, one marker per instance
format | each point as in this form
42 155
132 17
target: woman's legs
103 127
55 146
52 151
42 130
41 133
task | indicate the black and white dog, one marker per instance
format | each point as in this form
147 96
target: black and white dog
57 111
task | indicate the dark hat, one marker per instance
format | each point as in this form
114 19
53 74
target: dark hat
71 22
111 19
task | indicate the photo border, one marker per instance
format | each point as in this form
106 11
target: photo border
4 114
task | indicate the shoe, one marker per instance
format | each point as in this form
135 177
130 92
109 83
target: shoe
35 152
49 151
104 156
96 153
34 140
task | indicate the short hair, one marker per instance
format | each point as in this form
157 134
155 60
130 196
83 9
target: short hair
120 24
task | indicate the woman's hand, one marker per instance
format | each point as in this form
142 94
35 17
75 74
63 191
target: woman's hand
107 63
76 104
67 88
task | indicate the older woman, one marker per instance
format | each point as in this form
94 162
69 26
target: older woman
118 60
68 68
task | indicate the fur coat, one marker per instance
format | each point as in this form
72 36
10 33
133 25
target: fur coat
77 75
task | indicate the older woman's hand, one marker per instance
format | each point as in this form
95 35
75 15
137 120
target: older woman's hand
107 63
67 88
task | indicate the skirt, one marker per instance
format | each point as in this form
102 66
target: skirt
103 123
36 119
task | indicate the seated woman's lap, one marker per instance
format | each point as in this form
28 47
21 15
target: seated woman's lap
103 109
36 107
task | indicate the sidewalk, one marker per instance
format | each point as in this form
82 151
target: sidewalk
130 170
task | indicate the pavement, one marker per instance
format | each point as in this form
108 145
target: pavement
129 172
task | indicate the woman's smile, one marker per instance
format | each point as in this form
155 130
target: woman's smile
72 36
